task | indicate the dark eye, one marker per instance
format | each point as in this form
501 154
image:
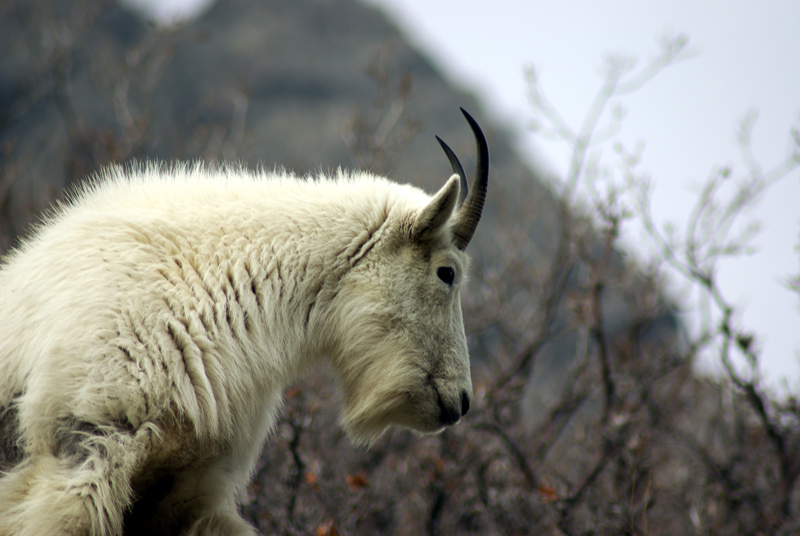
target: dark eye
446 274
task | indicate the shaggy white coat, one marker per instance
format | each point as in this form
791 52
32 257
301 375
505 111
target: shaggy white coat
150 325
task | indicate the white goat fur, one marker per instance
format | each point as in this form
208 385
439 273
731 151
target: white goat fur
151 324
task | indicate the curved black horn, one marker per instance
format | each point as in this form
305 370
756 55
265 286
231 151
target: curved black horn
469 215
458 169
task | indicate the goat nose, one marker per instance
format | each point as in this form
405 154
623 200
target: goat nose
464 403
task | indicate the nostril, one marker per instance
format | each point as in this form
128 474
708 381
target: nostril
464 403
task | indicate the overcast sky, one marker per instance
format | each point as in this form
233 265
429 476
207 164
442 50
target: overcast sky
748 59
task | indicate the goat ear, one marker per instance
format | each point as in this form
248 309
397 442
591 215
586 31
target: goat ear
438 212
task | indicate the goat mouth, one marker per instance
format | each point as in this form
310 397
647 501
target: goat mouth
447 416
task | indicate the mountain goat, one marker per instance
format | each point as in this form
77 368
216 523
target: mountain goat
149 327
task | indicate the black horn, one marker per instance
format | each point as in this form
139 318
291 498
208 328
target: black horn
458 169
471 198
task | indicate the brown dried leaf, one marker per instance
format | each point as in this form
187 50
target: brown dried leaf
327 529
312 480
357 481
548 494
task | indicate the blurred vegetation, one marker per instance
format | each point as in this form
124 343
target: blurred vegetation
588 417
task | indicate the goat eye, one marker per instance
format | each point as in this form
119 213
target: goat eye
446 274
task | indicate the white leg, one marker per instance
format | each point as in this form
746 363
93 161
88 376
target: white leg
82 490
